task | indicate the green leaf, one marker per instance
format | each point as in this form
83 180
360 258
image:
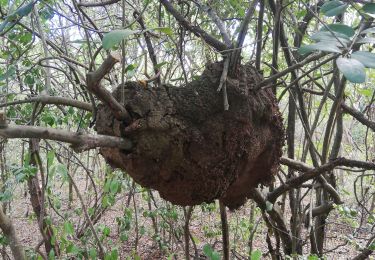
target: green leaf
333 8
353 70
269 206
207 250
365 57
366 40
106 231
320 46
26 10
256 255
215 256
312 257
92 253
10 72
161 64
50 157
168 31
369 8
339 28
63 171
68 228
329 36
114 186
369 30
114 37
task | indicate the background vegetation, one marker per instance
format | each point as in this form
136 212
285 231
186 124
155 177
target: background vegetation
315 55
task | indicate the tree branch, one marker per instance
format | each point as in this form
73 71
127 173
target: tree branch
45 99
103 3
359 116
209 39
310 173
93 84
80 142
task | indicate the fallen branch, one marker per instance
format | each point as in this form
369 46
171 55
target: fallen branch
80 142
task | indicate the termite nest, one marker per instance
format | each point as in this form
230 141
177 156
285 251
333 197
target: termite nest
188 148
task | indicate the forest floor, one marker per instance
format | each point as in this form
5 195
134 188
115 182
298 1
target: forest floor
204 227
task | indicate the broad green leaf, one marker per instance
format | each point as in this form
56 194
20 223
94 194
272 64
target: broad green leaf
333 8
353 70
365 57
366 40
369 8
320 46
339 28
207 250
369 30
256 255
329 36
114 37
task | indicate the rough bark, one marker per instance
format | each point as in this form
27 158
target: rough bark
188 148
7 227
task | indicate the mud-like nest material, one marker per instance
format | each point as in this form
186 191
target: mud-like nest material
191 150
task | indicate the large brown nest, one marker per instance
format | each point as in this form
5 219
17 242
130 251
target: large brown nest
191 150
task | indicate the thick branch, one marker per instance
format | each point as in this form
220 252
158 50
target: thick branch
209 39
80 142
8 230
93 84
45 99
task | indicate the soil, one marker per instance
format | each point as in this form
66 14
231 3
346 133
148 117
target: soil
191 150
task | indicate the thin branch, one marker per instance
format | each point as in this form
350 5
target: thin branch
209 39
219 23
103 3
45 99
310 173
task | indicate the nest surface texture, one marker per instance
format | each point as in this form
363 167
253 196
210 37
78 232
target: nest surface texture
191 150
